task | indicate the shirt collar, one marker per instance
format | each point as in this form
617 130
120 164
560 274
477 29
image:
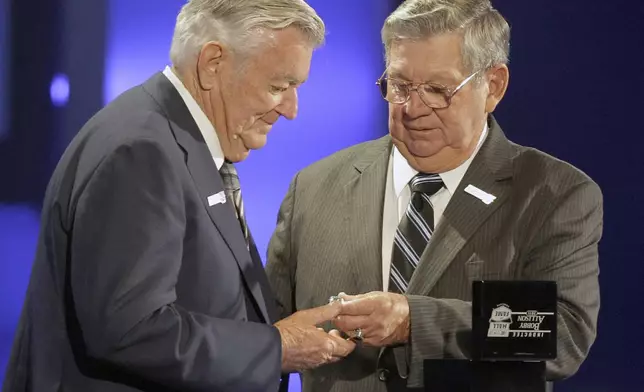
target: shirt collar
203 123
403 172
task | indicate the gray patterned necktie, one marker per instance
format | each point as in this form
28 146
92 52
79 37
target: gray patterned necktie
233 192
414 231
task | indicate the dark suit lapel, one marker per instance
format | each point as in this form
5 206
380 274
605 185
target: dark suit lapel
489 172
207 180
364 201
262 279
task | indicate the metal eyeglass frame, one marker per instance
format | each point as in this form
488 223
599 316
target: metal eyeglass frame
448 93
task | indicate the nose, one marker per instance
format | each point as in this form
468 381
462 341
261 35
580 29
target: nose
288 106
415 107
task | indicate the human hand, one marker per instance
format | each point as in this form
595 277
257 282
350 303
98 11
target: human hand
382 318
305 346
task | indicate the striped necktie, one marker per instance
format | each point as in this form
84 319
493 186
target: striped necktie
414 231
233 192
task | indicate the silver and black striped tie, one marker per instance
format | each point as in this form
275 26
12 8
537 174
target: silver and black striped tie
233 192
414 231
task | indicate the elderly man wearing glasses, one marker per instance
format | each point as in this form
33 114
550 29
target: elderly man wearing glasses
405 223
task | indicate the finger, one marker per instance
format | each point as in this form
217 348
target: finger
348 297
320 314
349 323
337 334
374 341
358 307
342 347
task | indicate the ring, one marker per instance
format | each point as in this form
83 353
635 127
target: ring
335 298
358 334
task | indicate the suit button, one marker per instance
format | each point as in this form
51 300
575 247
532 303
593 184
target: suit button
383 375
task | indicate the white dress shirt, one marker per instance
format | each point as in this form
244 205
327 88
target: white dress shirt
203 123
398 196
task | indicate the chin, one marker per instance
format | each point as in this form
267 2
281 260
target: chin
238 156
255 142
423 149
419 148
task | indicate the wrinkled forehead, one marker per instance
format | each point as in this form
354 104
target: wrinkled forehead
436 58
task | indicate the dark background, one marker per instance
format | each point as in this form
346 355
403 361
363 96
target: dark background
576 92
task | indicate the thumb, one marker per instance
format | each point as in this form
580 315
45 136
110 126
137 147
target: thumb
320 314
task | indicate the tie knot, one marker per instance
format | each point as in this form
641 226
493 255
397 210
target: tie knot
229 176
426 183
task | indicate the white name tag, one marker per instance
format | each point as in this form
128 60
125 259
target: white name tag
217 198
479 194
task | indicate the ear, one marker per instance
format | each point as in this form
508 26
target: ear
209 62
498 78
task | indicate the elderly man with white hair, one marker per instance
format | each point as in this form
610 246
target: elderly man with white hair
146 276
408 221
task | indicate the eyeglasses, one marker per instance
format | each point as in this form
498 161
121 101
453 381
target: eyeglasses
433 95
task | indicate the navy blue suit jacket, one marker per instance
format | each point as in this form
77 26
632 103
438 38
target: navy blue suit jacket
138 283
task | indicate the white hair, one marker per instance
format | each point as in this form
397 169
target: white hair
486 34
239 24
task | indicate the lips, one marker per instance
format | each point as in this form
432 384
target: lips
421 134
417 127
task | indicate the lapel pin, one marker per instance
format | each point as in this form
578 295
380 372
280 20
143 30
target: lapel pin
217 198
479 194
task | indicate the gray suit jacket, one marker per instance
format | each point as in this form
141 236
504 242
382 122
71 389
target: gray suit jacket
138 283
544 225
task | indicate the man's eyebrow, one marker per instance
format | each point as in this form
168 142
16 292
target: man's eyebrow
295 81
397 75
292 81
439 78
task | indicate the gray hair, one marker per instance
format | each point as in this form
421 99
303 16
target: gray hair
239 24
486 34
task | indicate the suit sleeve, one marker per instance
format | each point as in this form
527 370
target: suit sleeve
126 253
564 249
280 266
